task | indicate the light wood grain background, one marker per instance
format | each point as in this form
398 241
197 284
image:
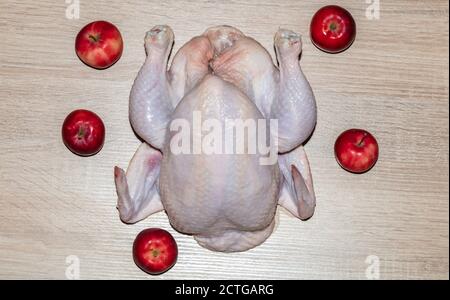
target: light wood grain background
393 82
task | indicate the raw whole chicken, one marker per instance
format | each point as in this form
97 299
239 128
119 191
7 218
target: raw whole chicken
226 201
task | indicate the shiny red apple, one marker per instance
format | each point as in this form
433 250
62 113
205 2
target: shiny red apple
99 44
155 251
83 132
356 150
332 29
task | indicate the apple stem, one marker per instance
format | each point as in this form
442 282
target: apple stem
93 38
361 142
155 253
80 133
333 26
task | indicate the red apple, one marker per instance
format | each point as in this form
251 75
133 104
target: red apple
356 150
332 29
155 251
83 132
99 44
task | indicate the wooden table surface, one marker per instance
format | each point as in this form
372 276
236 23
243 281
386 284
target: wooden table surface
393 82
